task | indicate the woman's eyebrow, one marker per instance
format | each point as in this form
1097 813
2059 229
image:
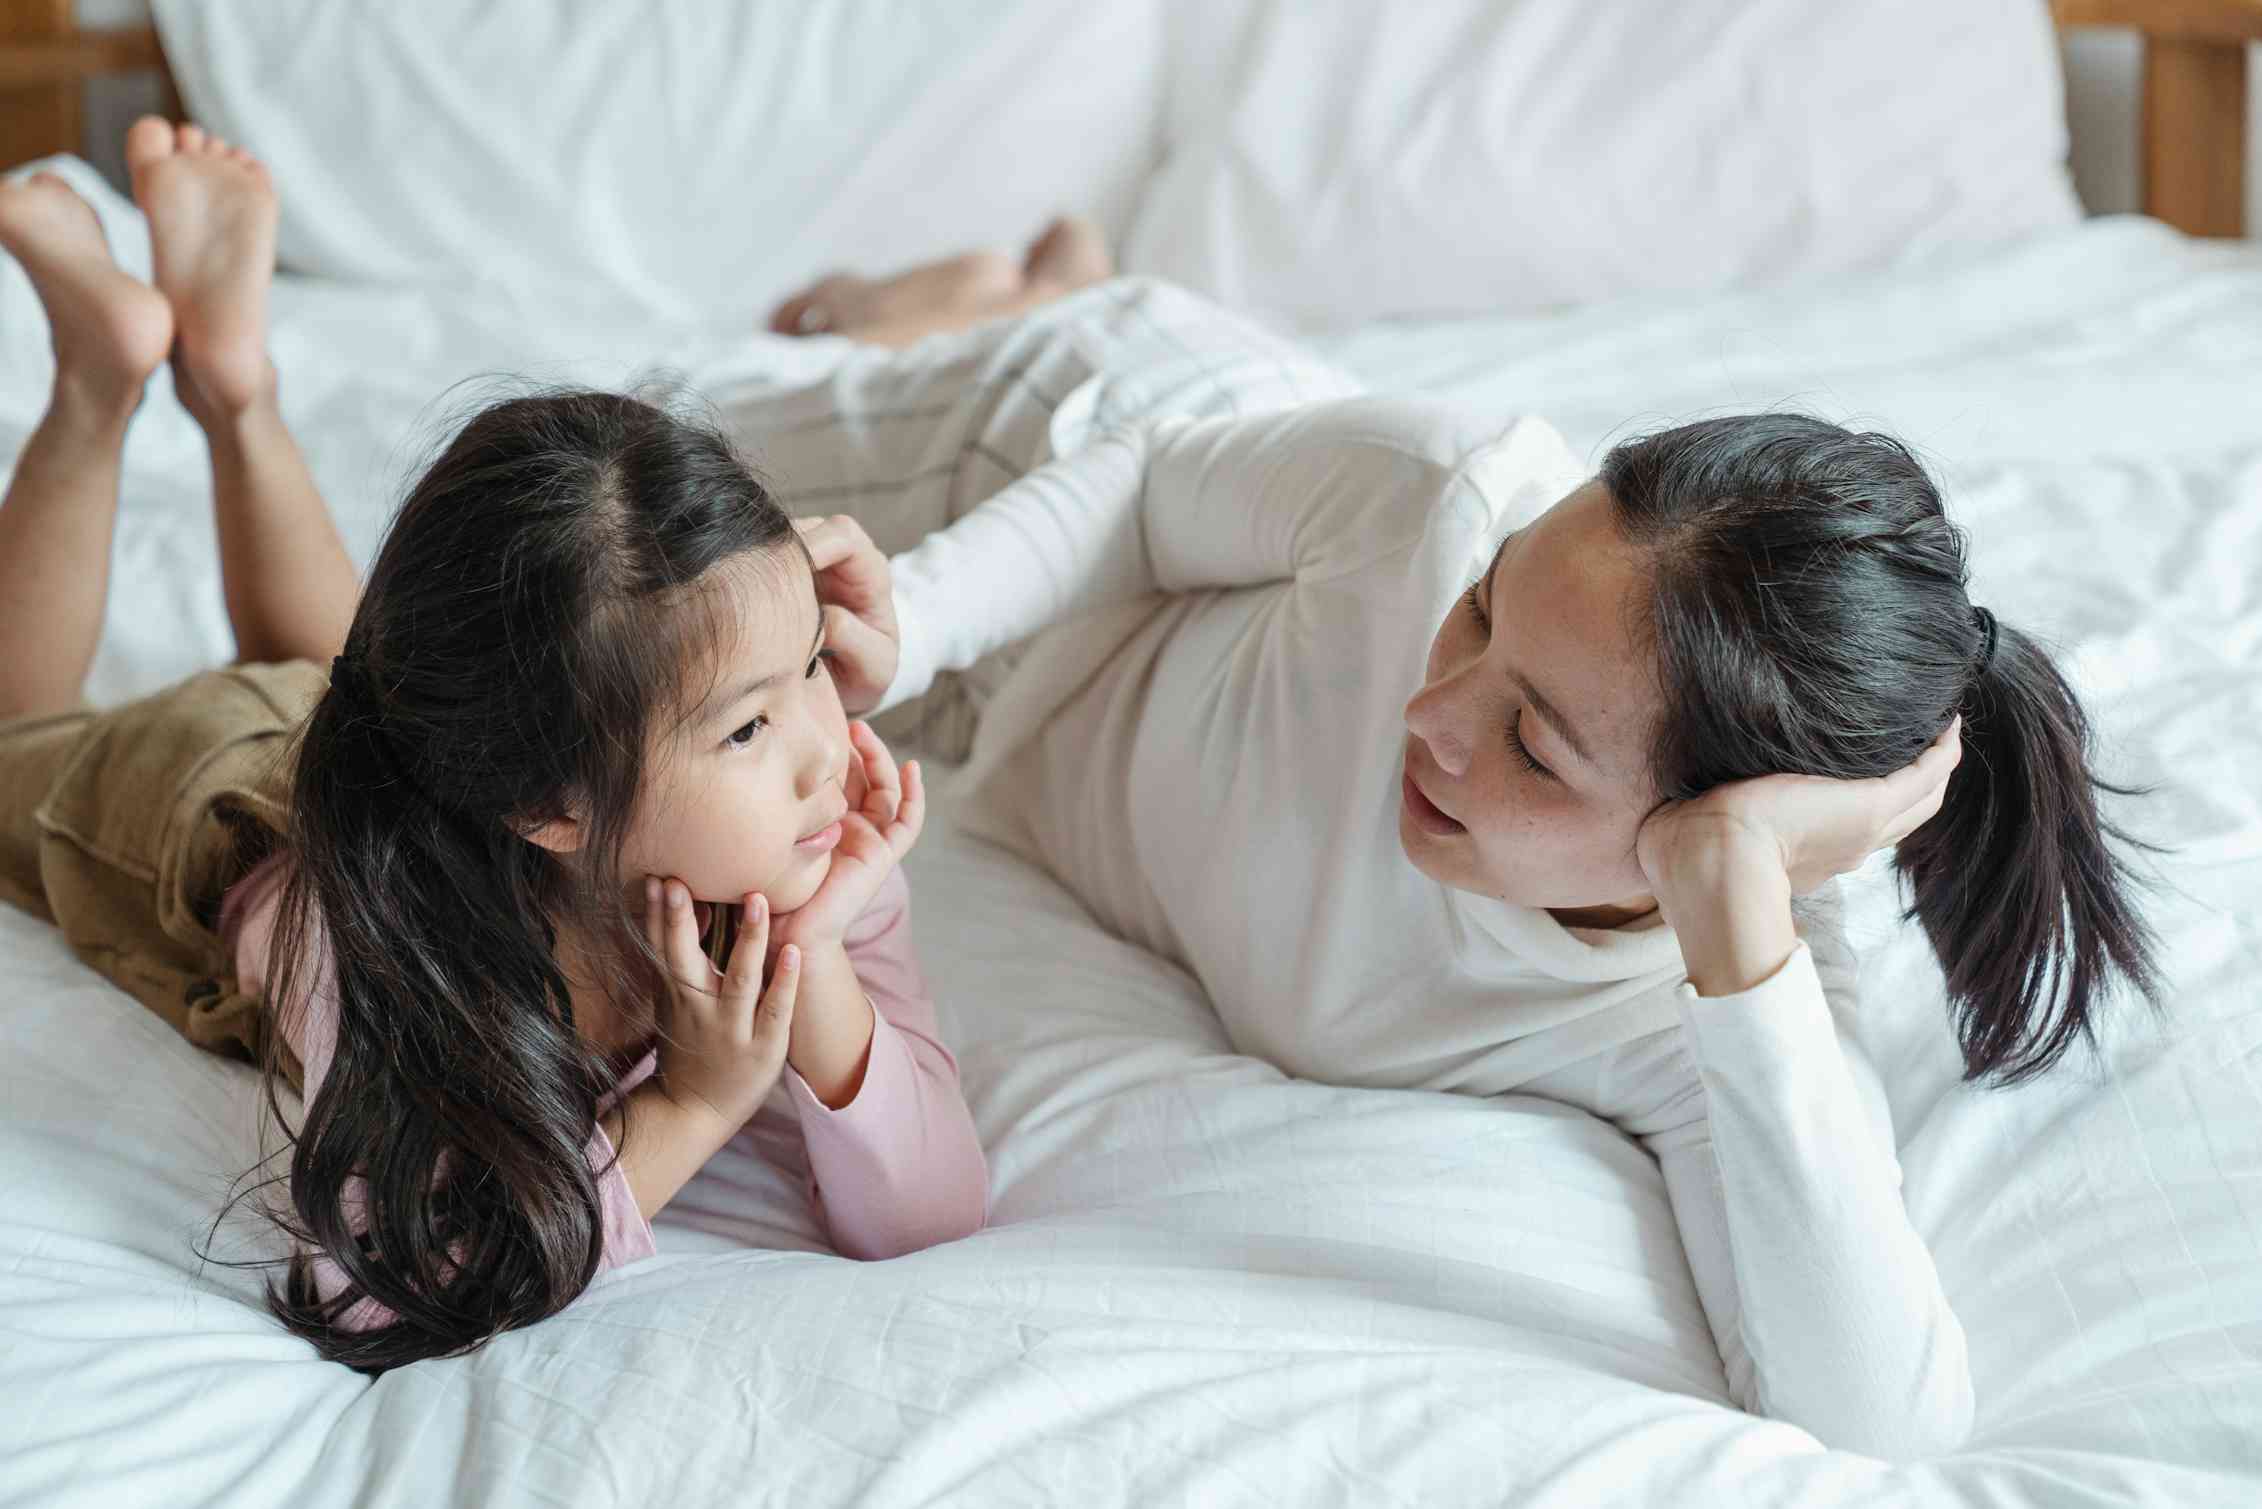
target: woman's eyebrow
1533 696
1537 701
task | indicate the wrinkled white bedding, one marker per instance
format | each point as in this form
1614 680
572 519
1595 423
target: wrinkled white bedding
1205 1282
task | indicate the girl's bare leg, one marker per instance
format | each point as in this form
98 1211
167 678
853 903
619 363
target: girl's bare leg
289 583
110 332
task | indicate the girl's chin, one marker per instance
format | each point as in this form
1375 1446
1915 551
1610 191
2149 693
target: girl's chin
798 881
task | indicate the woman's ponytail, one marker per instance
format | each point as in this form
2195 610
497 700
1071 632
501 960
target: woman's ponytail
2016 881
1810 612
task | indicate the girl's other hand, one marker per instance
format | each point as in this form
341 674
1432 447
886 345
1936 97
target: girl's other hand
856 592
722 1035
874 837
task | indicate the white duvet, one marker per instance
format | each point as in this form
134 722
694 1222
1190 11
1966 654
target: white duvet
1204 1282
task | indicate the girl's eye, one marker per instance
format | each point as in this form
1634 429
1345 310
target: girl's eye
743 735
824 658
1474 600
1523 750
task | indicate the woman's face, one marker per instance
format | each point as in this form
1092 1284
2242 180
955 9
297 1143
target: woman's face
1526 773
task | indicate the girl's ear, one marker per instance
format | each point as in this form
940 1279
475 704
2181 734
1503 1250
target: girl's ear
559 835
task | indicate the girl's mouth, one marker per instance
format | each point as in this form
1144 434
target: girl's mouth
821 840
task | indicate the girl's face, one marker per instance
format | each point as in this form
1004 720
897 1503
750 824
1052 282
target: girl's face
1525 773
745 791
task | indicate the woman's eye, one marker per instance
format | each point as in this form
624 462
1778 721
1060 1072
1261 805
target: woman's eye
823 658
744 734
1474 598
1523 750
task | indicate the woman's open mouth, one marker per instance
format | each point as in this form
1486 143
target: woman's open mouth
1423 811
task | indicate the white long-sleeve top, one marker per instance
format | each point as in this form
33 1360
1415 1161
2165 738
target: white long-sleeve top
1203 744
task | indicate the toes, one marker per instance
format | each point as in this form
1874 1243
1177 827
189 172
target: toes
190 139
149 138
1070 253
813 311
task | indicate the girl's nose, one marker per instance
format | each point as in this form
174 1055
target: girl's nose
827 755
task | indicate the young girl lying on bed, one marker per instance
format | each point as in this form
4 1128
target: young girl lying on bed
583 703
1444 764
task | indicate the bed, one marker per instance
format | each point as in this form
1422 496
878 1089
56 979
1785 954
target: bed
1203 1281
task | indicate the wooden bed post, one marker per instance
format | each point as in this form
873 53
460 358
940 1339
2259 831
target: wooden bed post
2195 92
2194 110
35 118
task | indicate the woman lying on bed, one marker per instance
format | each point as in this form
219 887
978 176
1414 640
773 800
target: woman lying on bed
1445 766
538 861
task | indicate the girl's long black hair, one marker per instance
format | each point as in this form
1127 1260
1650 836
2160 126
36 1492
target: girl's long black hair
526 625
1810 616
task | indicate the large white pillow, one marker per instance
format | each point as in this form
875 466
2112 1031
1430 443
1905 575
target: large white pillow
695 158
1336 161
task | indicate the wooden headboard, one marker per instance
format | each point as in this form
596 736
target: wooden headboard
2194 91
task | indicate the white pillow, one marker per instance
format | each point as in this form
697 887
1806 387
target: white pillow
1336 161
702 157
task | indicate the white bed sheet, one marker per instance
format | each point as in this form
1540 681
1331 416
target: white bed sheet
1205 1282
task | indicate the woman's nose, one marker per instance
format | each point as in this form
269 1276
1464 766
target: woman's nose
1432 716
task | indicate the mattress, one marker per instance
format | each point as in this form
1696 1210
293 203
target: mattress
1206 1282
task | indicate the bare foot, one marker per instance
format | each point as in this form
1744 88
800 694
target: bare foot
110 329
1070 254
936 296
211 211
951 294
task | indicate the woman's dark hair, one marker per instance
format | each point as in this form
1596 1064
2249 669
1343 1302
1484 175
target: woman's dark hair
532 617
1809 614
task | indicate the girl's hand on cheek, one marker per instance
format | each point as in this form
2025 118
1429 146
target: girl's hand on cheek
877 833
722 1035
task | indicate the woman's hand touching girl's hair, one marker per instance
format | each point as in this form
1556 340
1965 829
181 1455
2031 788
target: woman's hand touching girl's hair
887 811
856 593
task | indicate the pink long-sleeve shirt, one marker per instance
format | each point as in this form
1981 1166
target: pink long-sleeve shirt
896 1169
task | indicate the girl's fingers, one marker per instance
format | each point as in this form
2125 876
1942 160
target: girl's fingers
883 784
653 909
773 1019
911 817
687 961
742 982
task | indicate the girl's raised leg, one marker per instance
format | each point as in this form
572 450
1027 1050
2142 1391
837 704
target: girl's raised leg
109 331
289 583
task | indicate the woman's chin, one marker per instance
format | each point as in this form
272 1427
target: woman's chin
1422 852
